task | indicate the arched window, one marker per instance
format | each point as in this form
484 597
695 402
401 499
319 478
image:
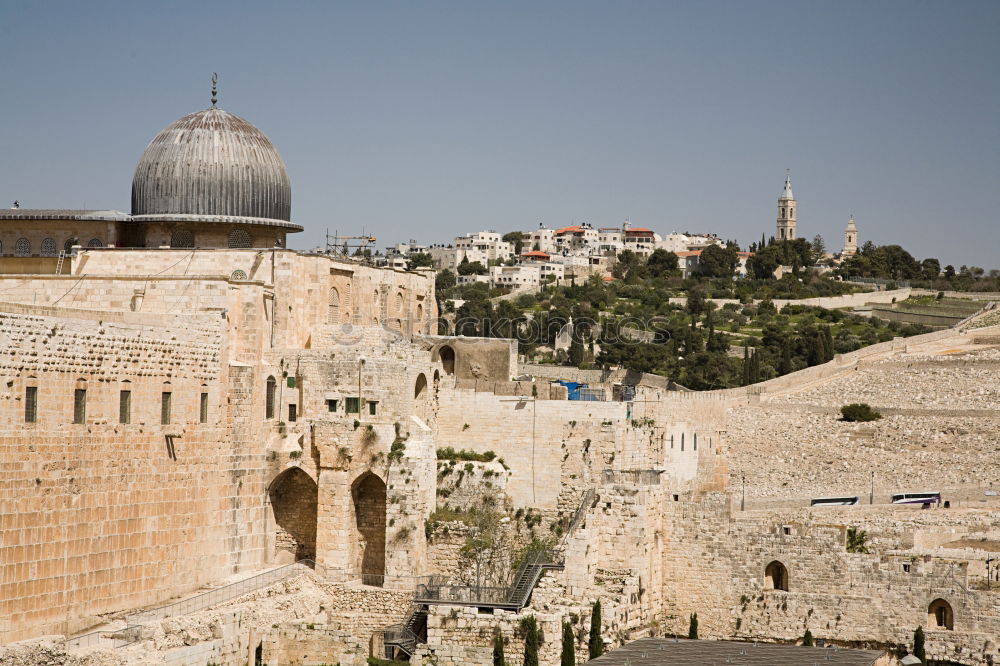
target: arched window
238 275
95 242
776 576
420 386
782 212
940 615
447 355
791 212
22 248
399 303
70 242
272 386
48 247
240 238
333 309
182 238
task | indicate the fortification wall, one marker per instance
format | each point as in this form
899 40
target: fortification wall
101 515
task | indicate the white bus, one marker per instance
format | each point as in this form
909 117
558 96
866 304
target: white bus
833 501
917 498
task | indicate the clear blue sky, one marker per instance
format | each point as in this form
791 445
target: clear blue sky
429 119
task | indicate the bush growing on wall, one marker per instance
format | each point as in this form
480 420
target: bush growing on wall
859 412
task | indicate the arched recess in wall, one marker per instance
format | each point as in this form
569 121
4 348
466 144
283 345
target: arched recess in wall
49 247
368 492
940 615
447 356
420 386
293 496
333 310
776 576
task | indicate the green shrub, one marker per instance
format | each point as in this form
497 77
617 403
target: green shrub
859 412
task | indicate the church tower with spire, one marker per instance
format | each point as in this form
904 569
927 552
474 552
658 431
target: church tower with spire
850 240
786 211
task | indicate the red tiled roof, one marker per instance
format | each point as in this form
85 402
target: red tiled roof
536 253
568 230
689 253
638 230
608 278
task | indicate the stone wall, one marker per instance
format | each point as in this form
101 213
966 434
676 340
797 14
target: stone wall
100 516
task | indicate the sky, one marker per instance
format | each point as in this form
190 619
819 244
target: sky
427 120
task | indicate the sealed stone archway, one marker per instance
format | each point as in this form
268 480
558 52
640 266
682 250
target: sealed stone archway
293 496
368 493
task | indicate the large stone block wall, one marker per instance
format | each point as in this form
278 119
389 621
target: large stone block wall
104 516
536 438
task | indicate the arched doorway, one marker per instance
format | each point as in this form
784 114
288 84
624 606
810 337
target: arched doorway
940 615
420 386
368 492
447 355
293 496
776 576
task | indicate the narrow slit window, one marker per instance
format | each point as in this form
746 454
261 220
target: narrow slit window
203 409
272 386
292 412
79 406
373 407
165 408
125 407
31 404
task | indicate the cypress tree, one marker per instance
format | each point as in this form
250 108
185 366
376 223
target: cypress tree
498 658
595 646
530 641
754 367
785 365
828 336
693 626
818 354
568 646
807 639
918 645
746 366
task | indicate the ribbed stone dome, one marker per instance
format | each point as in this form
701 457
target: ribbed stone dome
212 166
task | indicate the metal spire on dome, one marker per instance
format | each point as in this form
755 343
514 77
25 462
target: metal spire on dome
787 194
215 88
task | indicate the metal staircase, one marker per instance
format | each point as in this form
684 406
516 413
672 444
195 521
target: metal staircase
401 639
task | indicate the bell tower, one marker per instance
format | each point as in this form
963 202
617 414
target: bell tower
786 211
850 239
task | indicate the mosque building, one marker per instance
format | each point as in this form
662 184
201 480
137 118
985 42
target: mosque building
209 180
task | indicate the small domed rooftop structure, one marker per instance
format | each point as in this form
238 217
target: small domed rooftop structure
211 179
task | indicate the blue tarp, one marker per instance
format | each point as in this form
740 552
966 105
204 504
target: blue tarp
573 388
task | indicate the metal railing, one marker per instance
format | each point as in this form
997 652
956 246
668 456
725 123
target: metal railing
110 638
462 595
222 594
400 636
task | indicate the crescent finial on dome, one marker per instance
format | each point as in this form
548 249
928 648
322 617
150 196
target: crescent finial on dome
215 89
